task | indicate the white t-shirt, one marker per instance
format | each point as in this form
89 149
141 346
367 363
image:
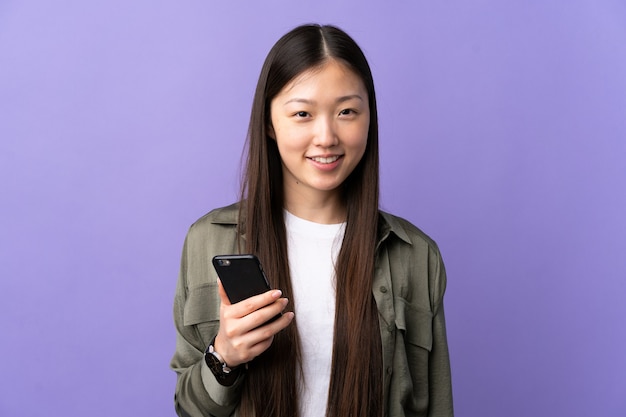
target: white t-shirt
312 251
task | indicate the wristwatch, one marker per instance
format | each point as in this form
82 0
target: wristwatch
224 374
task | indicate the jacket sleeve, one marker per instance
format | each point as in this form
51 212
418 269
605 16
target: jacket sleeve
440 383
196 317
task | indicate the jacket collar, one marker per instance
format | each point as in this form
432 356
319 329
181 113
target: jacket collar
388 223
226 215
391 224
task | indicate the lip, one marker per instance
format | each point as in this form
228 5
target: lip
325 162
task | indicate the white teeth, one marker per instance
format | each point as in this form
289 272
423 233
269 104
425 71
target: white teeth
325 160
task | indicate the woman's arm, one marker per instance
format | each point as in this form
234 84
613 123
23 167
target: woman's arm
440 383
203 313
196 317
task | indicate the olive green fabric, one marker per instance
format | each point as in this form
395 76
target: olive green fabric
408 287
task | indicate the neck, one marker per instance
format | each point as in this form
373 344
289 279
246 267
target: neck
326 209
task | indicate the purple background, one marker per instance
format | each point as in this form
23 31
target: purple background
503 136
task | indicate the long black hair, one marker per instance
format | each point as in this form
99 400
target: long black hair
271 386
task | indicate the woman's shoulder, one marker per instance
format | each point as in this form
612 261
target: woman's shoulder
417 254
215 233
406 231
227 215
217 222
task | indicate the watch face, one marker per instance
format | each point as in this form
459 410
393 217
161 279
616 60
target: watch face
214 364
222 373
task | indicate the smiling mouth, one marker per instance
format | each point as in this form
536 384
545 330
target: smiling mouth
323 160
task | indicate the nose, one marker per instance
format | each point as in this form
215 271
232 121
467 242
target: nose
325 134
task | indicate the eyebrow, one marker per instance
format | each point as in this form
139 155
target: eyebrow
339 100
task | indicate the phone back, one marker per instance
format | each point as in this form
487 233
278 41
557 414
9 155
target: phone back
242 276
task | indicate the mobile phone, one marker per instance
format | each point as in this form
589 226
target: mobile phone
242 276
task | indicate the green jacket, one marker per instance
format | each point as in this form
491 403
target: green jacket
408 288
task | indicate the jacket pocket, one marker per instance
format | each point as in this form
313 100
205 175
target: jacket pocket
415 323
202 311
414 342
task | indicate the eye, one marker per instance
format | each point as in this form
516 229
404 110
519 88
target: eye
347 112
302 114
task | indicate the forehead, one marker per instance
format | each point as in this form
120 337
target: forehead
330 70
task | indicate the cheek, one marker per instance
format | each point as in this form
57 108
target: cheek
288 144
291 137
360 144
358 138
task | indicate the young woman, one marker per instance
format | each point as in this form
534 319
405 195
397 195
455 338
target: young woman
368 335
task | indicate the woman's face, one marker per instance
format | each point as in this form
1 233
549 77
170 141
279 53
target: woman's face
320 121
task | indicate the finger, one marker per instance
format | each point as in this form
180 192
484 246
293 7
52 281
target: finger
261 338
254 303
241 348
263 315
266 332
245 325
223 297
